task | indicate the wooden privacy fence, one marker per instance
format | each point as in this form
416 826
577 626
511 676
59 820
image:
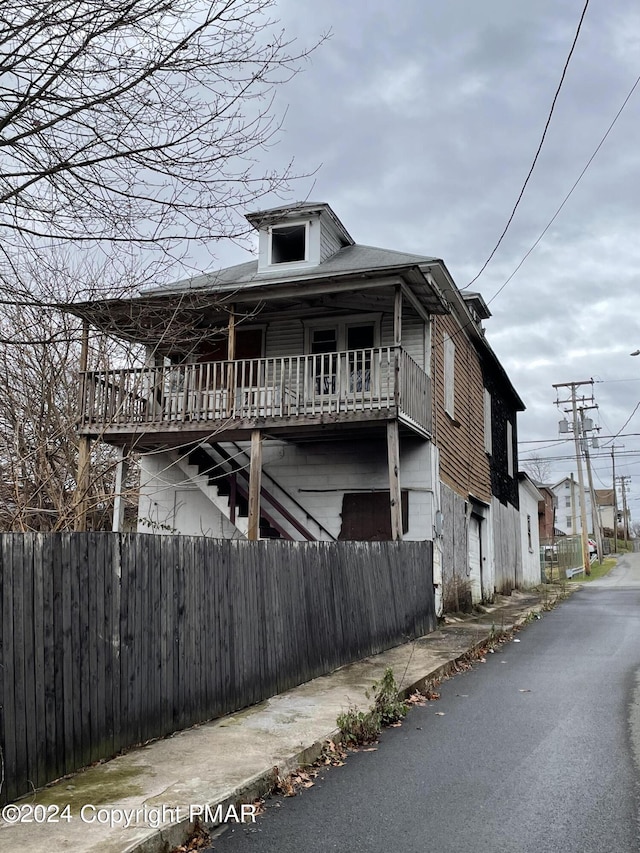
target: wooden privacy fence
109 640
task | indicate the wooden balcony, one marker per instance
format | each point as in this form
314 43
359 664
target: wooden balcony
279 394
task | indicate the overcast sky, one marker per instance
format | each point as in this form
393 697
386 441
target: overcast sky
422 118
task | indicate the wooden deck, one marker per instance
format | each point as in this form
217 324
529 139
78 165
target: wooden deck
284 393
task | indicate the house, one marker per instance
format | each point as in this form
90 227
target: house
606 503
568 516
547 530
327 390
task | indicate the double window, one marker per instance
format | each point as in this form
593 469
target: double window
351 371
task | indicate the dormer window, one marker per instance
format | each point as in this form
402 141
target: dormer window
289 243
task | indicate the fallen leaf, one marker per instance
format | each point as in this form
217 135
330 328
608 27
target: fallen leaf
516 641
439 713
524 691
370 749
395 725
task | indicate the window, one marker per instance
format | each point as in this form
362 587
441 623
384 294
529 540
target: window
487 421
529 532
360 343
567 502
324 345
288 244
569 521
449 375
343 358
567 485
509 449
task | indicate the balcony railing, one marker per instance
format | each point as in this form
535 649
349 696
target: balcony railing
360 381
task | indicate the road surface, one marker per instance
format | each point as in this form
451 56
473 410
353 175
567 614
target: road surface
535 750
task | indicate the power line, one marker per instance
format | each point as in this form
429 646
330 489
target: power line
537 154
568 195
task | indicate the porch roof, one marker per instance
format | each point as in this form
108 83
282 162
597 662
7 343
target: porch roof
145 318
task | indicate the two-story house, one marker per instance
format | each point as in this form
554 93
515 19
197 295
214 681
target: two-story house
327 390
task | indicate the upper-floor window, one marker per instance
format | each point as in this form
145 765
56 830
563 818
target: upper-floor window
449 375
289 243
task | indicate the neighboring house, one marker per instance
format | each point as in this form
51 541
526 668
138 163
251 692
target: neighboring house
326 390
605 501
530 499
547 530
568 517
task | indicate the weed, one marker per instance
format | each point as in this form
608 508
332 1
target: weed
387 704
358 727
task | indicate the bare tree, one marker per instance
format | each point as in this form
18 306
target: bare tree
538 469
128 132
38 447
137 123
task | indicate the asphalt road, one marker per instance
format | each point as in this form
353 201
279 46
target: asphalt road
538 750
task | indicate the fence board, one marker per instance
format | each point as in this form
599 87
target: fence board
111 639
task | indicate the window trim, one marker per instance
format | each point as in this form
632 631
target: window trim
488 436
281 226
449 375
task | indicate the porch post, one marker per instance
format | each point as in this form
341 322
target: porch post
397 343
231 355
231 345
84 443
393 455
255 482
118 497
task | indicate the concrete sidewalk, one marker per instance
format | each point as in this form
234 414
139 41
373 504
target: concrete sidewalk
232 760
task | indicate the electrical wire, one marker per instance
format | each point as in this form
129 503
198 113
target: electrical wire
568 195
537 154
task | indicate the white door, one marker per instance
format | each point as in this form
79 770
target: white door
475 559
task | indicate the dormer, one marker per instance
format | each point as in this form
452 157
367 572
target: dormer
298 236
478 308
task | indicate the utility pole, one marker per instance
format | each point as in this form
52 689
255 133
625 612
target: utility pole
595 516
625 517
615 496
586 560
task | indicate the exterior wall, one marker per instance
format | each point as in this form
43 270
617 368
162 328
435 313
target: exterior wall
507 551
169 503
464 466
317 475
329 242
456 580
546 515
504 485
287 337
530 571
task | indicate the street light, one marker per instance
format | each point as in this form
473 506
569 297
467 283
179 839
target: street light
637 352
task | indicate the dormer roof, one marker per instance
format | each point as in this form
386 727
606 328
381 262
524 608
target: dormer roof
300 210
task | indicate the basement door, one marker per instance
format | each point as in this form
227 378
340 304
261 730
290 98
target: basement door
475 558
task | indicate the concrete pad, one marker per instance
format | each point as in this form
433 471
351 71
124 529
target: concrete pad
155 788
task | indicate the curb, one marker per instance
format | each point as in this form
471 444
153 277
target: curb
166 839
